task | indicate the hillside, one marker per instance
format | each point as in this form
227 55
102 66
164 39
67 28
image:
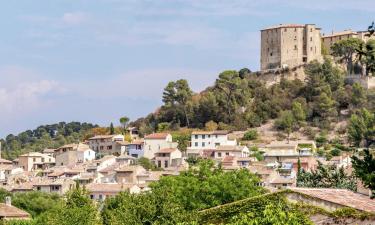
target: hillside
45 136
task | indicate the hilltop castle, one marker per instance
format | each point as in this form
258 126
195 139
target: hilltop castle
289 45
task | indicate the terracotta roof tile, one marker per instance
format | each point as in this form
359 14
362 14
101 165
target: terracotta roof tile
157 136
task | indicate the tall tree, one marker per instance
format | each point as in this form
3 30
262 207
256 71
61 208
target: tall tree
362 128
346 50
178 94
364 168
124 122
111 129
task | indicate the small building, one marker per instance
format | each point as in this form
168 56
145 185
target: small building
59 186
72 154
108 144
35 161
135 148
210 139
128 174
168 157
9 212
231 150
155 142
100 192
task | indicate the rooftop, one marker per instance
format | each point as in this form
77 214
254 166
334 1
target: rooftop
11 211
285 26
342 197
341 33
167 150
157 136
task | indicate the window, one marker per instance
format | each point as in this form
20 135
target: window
92 196
227 153
219 154
295 29
203 136
101 147
310 38
159 163
38 188
209 136
203 144
109 147
34 159
295 38
310 49
196 136
271 54
295 47
42 159
196 144
100 197
310 29
285 29
166 164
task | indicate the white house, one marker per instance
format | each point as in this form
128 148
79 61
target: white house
84 155
154 142
231 150
73 153
100 192
168 157
210 139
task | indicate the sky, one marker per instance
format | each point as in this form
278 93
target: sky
98 60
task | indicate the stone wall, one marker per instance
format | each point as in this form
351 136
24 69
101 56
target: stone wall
367 82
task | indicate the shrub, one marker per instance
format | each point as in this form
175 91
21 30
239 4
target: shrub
250 135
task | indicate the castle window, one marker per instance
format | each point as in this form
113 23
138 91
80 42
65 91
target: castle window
310 38
311 49
295 47
295 29
310 29
295 38
285 29
271 54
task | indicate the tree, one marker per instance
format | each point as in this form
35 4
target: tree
273 214
367 56
244 72
346 50
358 97
285 122
78 209
211 125
250 135
362 128
124 121
364 168
111 129
178 94
326 177
298 112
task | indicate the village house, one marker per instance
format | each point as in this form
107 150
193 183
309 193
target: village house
49 152
168 157
9 212
133 132
135 148
100 192
58 186
108 144
72 154
231 150
35 161
210 139
128 174
156 141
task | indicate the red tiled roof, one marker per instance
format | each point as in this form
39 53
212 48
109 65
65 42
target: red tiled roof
340 196
11 211
157 136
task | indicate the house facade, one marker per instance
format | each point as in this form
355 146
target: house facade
168 157
108 144
154 142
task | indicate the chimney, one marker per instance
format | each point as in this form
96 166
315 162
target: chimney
8 201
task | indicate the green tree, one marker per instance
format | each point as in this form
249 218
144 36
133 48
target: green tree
211 126
346 50
273 214
124 122
178 94
111 129
358 96
250 135
298 112
362 128
285 122
364 168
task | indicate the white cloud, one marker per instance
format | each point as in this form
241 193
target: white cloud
75 18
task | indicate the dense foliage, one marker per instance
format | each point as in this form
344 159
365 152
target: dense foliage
237 102
364 168
46 136
326 176
175 199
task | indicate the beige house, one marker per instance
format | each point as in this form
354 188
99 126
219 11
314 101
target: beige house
72 154
108 144
289 45
59 186
9 212
168 157
100 192
35 161
231 150
155 142
128 174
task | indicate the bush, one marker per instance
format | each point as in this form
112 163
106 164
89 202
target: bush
250 135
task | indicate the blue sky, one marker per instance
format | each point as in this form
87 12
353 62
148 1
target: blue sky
97 60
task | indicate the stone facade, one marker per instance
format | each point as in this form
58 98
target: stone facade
289 45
